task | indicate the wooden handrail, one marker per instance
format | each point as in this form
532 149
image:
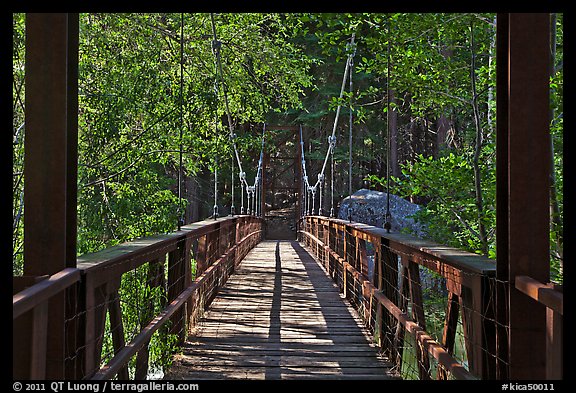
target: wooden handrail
468 277
431 345
130 255
542 293
425 249
147 247
38 293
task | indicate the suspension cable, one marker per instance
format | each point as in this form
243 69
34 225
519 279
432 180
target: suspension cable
216 50
332 141
311 190
256 188
215 212
250 190
218 44
388 224
225 91
346 72
180 170
305 185
350 139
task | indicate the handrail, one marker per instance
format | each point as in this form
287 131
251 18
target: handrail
123 356
32 296
542 293
218 247
36 299
459 268
148 247
551 296
460 259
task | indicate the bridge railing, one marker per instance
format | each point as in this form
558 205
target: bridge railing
400 284
124 297
551 296
30 305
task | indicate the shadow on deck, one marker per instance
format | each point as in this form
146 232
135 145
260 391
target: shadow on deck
280 317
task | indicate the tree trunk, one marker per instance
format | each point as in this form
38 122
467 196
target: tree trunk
442 127
555 222
477 150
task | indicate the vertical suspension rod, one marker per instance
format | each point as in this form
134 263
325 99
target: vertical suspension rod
388 224
351 60
180 212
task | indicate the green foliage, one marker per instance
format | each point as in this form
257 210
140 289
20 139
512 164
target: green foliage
18 133
278 69
129 117
451 213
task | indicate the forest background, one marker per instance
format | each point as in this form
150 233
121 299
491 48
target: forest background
436 73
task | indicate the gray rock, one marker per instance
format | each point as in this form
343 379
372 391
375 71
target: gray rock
369 207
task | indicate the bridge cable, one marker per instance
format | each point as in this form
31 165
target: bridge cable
350 137
216 51
388 224
232 135
181 211
257 187
305 184
311 190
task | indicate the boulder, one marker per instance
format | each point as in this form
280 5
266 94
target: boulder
369 207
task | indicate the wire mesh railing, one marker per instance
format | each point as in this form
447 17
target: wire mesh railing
433 310
133 304
430 308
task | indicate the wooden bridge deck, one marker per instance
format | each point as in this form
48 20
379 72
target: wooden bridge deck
280 316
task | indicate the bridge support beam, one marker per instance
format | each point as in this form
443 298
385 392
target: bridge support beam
523 179
51 163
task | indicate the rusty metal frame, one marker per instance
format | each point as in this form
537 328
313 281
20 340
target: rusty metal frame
472 268
99 275
51 163
523 153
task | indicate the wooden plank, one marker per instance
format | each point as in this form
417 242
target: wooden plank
273 372
309 361
284 349
279 317
260 376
